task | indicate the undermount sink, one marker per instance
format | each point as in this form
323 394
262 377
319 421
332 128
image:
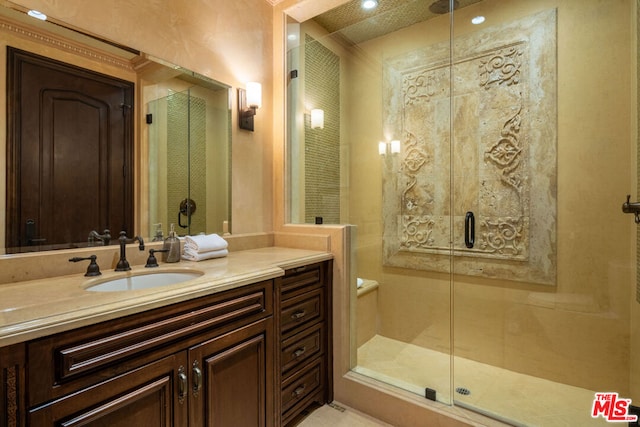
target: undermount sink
144 281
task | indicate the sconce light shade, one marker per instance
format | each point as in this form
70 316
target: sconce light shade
317 118
249 101
395 146
254 95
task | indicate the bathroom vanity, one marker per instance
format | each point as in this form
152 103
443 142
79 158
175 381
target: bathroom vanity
248 346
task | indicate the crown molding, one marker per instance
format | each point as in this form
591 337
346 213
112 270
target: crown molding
63 43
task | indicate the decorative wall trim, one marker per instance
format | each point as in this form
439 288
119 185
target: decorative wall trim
499 162
11 393
62 43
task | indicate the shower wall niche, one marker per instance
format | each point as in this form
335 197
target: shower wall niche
500 153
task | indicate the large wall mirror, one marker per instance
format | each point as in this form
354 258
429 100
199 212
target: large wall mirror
179 159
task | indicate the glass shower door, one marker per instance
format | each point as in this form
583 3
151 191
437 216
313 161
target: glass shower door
543 257
403 244
177 132
189 152
374 163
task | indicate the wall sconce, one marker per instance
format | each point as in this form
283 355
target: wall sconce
317 118
393 145
249 101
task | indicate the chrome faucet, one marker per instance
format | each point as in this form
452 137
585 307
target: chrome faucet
105 237
123 264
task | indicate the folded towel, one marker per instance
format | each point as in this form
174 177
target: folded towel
205 243
195 256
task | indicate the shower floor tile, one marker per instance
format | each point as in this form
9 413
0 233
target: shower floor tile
509 396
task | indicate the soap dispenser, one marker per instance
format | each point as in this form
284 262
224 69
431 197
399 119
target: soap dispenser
172 246
158 237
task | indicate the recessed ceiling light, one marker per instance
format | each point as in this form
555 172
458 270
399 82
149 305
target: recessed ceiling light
369 4
38 15
477 20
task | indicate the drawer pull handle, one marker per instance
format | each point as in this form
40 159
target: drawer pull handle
182 384
298 391
298 315
299 352
197 379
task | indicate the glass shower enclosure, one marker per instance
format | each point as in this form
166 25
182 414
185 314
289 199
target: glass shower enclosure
483 149
188 128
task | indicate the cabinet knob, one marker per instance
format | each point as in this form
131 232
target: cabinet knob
299 352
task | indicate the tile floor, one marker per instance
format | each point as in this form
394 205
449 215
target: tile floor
336 415
509 396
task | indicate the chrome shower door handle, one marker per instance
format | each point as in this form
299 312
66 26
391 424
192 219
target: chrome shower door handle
469 230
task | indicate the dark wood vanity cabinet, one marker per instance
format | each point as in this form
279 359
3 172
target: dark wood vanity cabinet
304 325
257 355
204 362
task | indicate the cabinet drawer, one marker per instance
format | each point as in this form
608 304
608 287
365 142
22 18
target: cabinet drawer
78 358
300 280
300 389
300 311
302 347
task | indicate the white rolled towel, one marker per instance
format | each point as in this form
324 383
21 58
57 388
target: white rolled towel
205 243
201 256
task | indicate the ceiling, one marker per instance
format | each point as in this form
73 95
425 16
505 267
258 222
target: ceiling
356 25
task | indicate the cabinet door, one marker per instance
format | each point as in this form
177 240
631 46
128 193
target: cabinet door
153 395
232 379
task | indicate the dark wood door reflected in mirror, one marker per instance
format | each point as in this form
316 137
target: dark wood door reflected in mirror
70 153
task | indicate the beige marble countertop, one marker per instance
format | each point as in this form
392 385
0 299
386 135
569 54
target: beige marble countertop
37 308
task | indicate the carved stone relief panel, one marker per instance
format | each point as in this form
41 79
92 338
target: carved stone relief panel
487 146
